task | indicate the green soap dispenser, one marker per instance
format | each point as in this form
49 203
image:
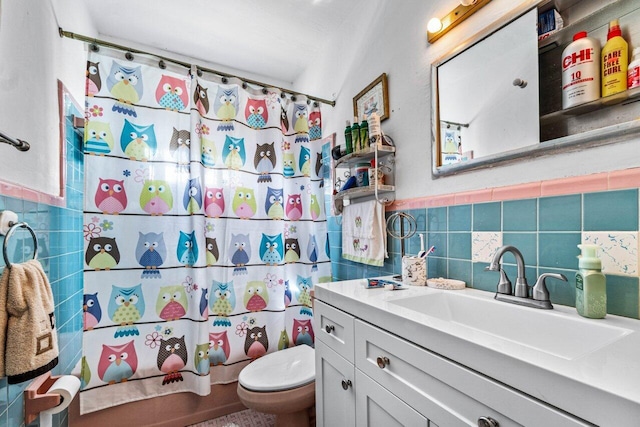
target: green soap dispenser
591 284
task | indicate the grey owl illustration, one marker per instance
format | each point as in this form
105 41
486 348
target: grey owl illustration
264 161
180 145
239 252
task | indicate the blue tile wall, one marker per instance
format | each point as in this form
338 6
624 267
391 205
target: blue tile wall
545 229
60 250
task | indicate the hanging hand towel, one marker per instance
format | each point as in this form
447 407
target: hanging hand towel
28 339
364 237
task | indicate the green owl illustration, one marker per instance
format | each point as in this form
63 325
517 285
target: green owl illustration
244 202
283 342
172 302
156 197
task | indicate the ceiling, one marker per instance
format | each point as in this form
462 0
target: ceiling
277 39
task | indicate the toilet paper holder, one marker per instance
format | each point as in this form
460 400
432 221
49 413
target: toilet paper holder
36 398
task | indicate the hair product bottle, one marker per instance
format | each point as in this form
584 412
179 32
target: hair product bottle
355 135
633 74
591 284
347 138
364 133
615 60
580 71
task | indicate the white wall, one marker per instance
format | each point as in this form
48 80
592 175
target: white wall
34 58
394 41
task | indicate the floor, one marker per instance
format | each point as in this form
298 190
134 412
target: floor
246 418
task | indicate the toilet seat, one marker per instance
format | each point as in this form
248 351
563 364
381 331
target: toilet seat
282 370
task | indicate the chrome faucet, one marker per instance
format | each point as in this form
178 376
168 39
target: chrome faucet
540 294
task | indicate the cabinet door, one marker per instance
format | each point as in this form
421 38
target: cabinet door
376 407
335 383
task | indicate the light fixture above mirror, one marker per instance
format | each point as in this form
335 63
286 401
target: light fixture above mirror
437 27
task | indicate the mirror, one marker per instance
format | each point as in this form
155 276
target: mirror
497 97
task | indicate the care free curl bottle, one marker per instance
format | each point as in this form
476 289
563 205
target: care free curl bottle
615 60
591 284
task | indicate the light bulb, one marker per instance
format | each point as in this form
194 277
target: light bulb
467 2
434 25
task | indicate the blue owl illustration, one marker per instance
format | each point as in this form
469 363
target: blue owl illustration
187 248
273 204
192 199
91 311
201 359
126 306
239 252
303 294
288 165
226 105
271 249
305 161
151 252
300 122
138 142
204 303
233 152
125 85
222 302
312 252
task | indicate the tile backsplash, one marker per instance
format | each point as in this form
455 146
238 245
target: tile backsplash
546 230
59 232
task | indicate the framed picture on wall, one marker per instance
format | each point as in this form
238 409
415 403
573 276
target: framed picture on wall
374 97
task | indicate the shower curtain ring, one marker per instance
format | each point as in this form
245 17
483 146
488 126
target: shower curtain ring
162 65
225 80
199 72
244 85
264 91
293 98
94 47
283 95
129 56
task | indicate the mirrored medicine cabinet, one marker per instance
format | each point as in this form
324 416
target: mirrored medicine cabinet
497 97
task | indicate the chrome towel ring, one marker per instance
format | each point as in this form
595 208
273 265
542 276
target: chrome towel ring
400 219
13 226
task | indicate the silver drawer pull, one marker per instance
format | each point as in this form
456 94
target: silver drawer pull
329 328
346 384
383 361
487 422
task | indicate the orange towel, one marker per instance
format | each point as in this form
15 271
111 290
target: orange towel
28 339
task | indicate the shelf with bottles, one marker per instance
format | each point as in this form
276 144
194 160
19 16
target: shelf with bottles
365 155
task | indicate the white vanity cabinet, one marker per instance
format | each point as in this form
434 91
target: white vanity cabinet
395 382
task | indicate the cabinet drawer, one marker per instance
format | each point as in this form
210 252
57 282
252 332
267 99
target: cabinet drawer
447 393
334 328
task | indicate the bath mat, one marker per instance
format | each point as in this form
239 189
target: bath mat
246 418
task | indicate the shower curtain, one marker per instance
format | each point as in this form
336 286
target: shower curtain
204 227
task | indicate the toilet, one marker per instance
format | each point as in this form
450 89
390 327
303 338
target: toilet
281 383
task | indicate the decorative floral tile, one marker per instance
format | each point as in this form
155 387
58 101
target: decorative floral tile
484 245
619 251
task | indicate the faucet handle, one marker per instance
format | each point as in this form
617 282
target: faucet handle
540 291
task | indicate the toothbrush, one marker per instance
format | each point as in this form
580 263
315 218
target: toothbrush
431 250
422 253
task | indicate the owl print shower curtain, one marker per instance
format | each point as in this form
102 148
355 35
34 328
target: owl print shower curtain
204 228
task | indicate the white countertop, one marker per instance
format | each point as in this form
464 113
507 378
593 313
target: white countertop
602 386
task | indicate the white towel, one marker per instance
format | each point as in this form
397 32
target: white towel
364 235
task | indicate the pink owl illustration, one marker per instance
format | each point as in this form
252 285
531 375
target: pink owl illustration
111 198
219 348
172 93
256 113
117 363
294 207
303 332
213 202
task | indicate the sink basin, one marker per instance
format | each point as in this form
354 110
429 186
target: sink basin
548 331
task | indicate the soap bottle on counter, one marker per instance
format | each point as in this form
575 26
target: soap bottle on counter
615 60
591 284
347 138
355 135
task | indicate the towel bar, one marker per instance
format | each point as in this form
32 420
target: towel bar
13 225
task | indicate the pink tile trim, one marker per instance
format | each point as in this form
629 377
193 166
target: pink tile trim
575 185
24 193
628 178
615 180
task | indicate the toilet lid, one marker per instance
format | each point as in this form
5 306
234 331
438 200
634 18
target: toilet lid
282 370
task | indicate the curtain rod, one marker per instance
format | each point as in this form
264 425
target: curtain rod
80 37
18 143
